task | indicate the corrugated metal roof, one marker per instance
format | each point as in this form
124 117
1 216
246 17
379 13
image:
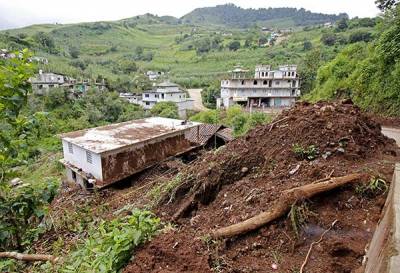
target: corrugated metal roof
206 131
226 134
115 136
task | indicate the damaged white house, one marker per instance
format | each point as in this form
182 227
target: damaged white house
100 156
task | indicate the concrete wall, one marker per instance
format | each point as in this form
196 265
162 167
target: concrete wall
78 159
122 164
383 255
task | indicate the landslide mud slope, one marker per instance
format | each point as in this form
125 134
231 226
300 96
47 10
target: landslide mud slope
243 179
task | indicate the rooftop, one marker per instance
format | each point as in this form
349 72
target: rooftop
115 136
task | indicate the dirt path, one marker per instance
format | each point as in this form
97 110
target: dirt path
392 133
196 95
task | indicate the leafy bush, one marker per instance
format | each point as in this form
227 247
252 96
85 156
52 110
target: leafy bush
309 153
110 243
21 209
234 45
166 109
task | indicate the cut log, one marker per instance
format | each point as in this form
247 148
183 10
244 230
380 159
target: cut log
283 204
29 257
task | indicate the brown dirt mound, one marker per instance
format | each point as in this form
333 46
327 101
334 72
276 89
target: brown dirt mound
244 177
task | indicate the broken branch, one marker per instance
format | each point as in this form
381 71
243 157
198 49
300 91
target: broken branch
29 257
282 205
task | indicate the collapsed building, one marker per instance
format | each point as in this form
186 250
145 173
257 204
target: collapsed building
100 156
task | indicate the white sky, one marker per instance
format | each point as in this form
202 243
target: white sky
15 13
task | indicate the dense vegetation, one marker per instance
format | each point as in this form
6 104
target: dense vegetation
233 16
191 55
369 73
235 117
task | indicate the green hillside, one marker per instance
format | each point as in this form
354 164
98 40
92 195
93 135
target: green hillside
233 16
192 55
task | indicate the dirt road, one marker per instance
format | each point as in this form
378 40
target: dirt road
196 95
392 133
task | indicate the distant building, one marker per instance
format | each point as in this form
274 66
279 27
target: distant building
267 89
100 156
154 75
167 91
43 82
132 97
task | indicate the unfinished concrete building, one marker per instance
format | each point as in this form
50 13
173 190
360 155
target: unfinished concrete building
100 156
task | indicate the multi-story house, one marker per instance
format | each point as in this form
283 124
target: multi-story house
167 91
267 89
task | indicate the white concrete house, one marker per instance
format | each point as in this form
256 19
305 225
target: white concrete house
167 91
267 89
100 156
132 97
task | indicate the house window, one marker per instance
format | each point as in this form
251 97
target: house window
147 103
40 86
89 158
74 175
51 85
156 95
262 74
242 82
293 92
162 95
255 82
70 148
146 95
276 83
265 82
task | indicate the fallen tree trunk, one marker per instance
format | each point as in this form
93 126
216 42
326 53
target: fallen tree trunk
283 204
29 257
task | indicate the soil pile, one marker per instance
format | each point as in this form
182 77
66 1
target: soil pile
240 180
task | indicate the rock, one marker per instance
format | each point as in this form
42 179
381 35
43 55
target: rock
245 170
326 155
327 108
16 182
340 150
293 171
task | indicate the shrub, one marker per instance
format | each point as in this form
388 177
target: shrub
110 243
166 109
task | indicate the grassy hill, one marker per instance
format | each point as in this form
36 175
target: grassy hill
233 16
190 54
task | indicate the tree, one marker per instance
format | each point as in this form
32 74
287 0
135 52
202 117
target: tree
328 39
234 45
307 45
360 36
385 5
14 89
166 109
45 41
74 52
342 24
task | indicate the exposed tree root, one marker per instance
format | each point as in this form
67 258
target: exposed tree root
282 205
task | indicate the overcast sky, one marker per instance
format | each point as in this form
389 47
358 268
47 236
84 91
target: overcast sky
17 13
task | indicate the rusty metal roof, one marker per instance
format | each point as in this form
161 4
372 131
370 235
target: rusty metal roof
226 134
206 131
115 136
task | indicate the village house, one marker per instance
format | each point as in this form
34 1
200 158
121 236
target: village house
267 89
100 156
132 97
167 91
44 82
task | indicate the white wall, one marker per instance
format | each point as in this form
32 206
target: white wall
78 159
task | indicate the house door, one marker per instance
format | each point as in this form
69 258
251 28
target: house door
278 102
